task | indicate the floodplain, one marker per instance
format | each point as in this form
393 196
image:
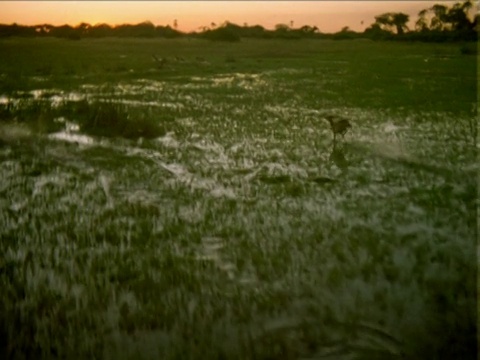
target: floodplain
196 207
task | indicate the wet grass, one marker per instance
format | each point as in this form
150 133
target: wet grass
238 231
384 74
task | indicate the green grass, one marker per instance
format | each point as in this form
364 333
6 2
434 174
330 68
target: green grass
229 228
385 74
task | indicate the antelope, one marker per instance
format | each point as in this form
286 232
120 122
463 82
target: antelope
159 61
338 124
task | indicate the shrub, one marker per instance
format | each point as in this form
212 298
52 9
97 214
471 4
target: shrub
36 115
223 34
107 118
468 49
101 118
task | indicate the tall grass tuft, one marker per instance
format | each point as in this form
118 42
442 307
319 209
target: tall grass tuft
100 118
107 118
38 116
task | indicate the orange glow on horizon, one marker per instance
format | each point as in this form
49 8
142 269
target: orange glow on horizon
328 16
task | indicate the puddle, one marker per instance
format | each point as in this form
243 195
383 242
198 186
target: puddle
73 138
168 141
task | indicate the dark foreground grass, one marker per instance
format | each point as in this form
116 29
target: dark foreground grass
238 231
106 257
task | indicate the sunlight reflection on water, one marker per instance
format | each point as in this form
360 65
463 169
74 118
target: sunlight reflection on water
74 138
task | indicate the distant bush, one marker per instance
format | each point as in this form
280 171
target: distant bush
288 35
74 36
345 35
226 33
469 49
106 118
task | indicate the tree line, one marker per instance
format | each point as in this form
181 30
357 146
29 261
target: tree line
438 23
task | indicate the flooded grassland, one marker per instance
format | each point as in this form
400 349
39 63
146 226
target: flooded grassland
202 210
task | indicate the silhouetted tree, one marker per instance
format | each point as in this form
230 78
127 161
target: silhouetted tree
436 23
167 32
440 16
421 24
282 27
447 23
65 31
256 31
83 29
226 32
457 16
376 32
400 21
390 21
307 29
283 31
345 34
144 29
43 29
101 30
476 23
384 21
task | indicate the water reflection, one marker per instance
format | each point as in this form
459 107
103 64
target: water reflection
337 156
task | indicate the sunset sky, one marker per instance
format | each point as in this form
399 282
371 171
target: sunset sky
328 16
